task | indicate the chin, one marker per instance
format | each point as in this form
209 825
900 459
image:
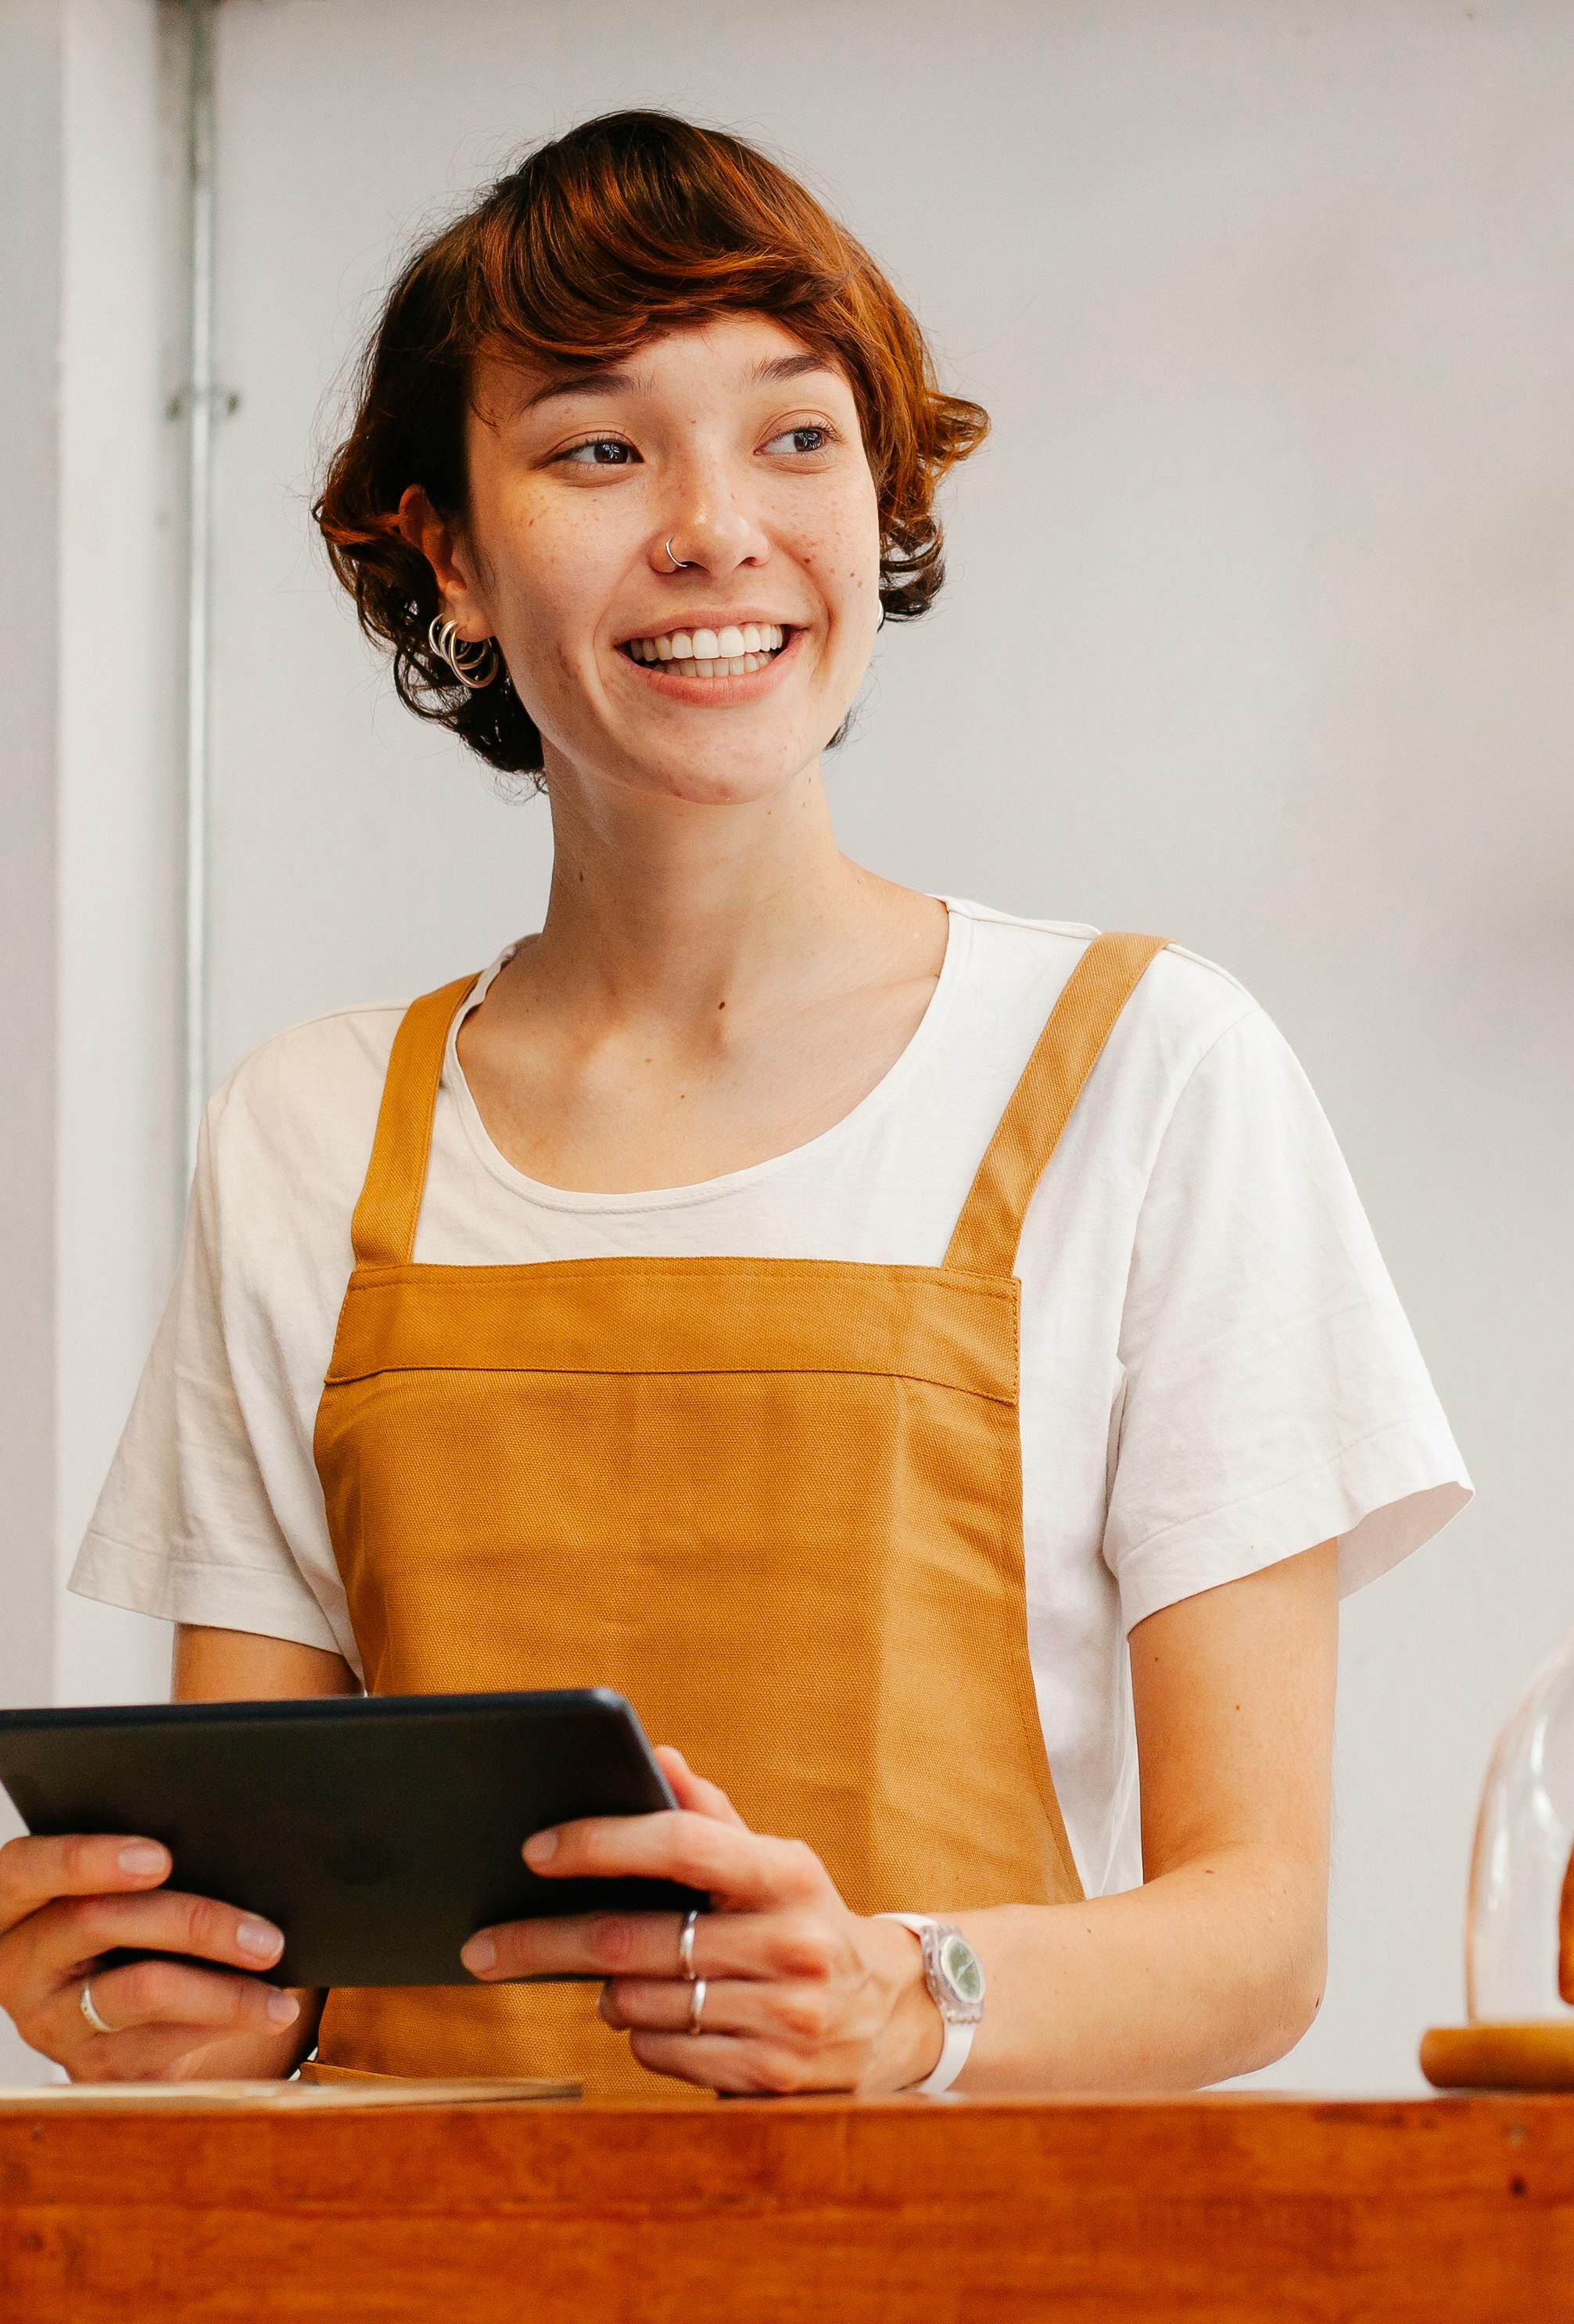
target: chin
728 785
724 790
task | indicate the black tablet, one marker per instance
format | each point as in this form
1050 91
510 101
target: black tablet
378 1832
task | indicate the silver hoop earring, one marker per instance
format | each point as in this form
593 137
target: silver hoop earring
475 661
881 622
679 563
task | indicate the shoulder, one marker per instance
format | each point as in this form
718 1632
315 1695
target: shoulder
1182 1006
300 1109
314 1062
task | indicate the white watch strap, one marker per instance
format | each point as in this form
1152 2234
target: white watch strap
959 2039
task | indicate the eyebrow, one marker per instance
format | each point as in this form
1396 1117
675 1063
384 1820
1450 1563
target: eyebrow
607 379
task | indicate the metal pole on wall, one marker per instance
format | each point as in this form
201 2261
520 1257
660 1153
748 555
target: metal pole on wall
201 400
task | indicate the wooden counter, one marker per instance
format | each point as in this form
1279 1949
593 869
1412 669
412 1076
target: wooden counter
941 2212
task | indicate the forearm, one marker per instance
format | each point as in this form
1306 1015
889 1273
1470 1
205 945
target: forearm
1211 1970
227 1665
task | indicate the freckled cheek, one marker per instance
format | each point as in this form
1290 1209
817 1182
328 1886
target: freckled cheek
842 557
556 683
549 615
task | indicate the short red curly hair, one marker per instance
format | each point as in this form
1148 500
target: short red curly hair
632 225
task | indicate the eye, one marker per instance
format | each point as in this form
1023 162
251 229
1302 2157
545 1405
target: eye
597 444
807 427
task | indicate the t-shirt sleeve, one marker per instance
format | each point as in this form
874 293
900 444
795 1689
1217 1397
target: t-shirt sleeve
184 1527
1274 1396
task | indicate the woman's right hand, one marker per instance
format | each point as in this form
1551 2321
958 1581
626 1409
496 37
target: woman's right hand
65 1902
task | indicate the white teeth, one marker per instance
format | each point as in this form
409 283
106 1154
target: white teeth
732 665
736 650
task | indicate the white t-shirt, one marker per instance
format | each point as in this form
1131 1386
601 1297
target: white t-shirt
1216 1372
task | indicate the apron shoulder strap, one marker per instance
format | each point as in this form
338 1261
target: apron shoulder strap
989 1228
382 1231
986 1233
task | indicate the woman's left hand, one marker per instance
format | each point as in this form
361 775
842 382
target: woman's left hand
800 1994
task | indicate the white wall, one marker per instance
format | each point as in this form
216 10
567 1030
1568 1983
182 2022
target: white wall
31 135
89 1197
1256 631
31 74
91 612
120 624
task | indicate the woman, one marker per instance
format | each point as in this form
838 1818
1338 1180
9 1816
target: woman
844 1319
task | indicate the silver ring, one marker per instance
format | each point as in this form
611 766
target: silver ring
686 1945
473 660
696 2006
85 2004
679 563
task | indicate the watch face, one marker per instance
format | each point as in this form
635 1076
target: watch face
962 1969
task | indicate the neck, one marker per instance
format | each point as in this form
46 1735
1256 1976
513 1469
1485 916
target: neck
666 908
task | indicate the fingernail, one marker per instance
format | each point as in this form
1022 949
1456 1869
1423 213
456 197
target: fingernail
541 1847
257 1937
479 1955
283 2008
143 1856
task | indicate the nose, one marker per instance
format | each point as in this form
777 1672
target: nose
712 529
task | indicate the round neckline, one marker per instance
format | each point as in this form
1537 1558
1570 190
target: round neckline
958 933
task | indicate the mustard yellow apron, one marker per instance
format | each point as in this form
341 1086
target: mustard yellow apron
776 1503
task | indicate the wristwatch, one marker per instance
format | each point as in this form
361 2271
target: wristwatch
954 1975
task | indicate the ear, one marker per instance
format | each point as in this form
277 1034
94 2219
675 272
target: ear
419 523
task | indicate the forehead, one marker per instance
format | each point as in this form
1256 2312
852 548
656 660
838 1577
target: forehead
731 355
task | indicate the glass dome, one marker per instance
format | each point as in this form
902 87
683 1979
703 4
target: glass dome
1519 1948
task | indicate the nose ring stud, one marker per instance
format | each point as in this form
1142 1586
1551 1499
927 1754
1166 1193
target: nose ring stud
678 562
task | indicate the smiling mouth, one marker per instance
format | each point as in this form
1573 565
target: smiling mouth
730 652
